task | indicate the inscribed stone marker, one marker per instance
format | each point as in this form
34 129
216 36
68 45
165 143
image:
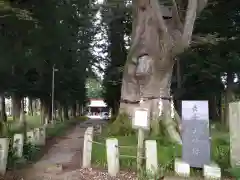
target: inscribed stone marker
151 157
37 137
234 124
4 145
30 137
87 147
42 136
195 133
18 144
112 156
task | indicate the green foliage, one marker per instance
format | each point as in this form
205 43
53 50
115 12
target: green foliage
59 34
117 52
94 88
12 158
81 118
167 153
235 172
30 152
121 126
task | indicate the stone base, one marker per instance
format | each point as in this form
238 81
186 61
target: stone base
181 168
212 171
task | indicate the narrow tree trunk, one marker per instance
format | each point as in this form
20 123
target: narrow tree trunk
77 108
229 96
44 112
74 110
62 113
23 120
58 115
223 106
49 112
3 109
16 104
22 114
30 106
65 112
34 106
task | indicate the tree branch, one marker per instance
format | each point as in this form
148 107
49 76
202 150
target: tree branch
136 37
189 22
157 11
201 5
176 16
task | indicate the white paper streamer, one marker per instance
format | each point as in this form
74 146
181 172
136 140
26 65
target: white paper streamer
160 107
172 108
141 101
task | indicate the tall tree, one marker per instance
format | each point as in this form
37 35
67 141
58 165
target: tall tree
157 38
117 53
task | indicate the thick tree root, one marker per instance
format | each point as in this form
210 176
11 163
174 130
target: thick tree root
172 130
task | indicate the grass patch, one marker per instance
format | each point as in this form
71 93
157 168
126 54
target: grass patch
167 152
13 126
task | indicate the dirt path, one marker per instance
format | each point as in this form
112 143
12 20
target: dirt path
64 156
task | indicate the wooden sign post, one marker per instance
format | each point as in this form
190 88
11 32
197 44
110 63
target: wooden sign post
140 122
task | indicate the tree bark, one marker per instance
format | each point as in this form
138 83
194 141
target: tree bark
179 85
30 106
58 115
44 112
74 110
65 112
3 109
149 66
229 96
62 113
16 104
22 113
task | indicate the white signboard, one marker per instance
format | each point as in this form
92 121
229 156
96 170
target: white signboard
140 119
197 110
42 136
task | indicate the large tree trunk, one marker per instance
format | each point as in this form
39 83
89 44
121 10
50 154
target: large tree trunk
148 70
